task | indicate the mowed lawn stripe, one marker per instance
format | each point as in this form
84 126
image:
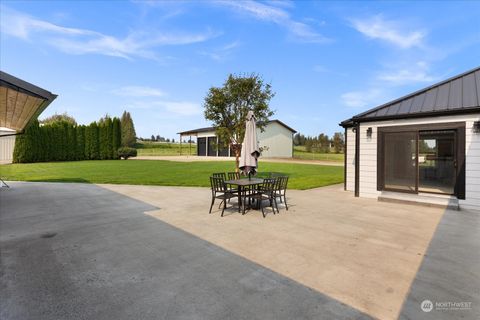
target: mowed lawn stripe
164 173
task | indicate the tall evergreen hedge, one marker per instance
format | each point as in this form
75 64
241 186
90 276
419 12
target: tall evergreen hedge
65 141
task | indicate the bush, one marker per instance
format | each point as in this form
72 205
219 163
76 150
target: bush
127 152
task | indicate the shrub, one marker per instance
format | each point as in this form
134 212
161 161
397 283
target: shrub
127 152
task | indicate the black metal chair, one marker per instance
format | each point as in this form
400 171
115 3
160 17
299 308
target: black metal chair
233 175
219 175
281 189
266 192
220 191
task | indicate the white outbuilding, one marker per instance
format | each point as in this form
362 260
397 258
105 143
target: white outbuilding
423 147
276 141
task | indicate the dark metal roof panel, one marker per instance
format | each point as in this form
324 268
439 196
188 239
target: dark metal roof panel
405 106
469 91
417 103
442 97
477 82
455 94
430 99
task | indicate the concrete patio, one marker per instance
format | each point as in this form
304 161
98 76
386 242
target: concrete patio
116 251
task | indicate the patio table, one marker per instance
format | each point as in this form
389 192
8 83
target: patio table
242 185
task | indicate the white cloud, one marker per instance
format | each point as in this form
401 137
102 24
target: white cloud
222 53
299 30
377 27
361 99
84 41
139 91
416 73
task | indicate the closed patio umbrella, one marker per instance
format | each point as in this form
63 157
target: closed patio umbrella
250 152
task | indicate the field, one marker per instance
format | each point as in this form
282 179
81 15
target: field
148 148
299 152
166 173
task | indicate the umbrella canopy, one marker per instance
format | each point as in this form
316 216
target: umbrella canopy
250 152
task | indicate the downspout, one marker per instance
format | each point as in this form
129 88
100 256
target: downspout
357 159
345 162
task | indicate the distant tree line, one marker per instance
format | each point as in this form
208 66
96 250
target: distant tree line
58 138
158 138
321 143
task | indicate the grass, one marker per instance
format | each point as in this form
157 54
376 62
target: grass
148 148
299 152
165 173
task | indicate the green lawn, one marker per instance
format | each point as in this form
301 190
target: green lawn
166 173
299 152
148 148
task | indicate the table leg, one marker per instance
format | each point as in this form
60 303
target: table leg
239 192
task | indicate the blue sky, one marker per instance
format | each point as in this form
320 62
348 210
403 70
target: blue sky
326 61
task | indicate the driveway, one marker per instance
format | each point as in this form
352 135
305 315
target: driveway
115 251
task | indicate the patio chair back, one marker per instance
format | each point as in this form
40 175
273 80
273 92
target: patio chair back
217 184
283 183
269 185
219 175
233 175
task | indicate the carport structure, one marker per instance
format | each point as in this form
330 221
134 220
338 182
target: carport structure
20 103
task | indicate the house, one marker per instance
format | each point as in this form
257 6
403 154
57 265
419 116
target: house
276 141
423 147
20 103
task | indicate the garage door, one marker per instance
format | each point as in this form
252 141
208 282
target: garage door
201 146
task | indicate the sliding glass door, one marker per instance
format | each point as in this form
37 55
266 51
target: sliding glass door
418 161
400 158
437 164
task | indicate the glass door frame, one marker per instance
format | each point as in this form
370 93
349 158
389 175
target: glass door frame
459 154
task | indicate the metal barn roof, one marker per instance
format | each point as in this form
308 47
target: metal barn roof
20 102
208 129
459 94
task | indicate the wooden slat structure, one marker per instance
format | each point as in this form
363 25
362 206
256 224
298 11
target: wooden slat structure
20 102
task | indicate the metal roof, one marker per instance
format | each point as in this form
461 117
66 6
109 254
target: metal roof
21 102
459 94
207 129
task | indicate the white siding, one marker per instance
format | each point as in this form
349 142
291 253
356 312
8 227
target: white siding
6 149
368 156
277 139
350 167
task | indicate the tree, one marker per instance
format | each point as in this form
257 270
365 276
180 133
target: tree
128 130
63 117
227 108
338 141
152 138
116 136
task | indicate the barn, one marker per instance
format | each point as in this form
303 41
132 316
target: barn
276 141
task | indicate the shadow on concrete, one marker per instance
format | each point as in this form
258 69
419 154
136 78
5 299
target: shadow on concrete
450 271
81 251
